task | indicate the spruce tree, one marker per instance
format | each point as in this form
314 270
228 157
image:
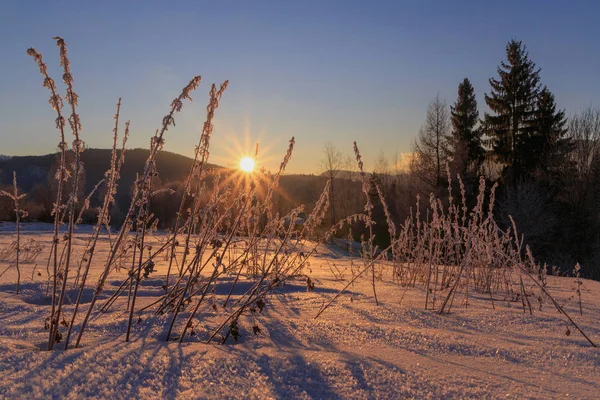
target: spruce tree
552 160
513 101
551 129
467 151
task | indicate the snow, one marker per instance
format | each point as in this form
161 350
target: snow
355 349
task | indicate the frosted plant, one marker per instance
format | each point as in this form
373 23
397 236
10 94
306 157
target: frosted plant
112 176
16 197
62 173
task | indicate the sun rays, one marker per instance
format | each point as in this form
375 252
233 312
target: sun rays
247 164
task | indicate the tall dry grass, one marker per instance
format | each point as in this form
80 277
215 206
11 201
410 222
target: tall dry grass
455 251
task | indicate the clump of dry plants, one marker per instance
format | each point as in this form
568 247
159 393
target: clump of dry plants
227 230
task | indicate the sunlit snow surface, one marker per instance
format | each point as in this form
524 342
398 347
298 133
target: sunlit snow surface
354 350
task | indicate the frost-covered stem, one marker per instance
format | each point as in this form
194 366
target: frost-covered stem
200 246
181 299
139 271
314 220
371 264
552 299
18 226
215 273
136 240
578 283
156 144
458 277
368 207
142 218
18 221
15 197
524 298
250 299
75 124
101 281
103 217
117 292
429 269
157 141
57 105
237 277
86 205
202 150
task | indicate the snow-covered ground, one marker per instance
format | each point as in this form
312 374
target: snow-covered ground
355 349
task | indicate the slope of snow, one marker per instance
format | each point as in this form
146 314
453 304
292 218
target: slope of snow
355 349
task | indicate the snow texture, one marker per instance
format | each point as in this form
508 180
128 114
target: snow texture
353 350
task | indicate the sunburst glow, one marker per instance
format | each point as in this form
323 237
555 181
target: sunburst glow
247 164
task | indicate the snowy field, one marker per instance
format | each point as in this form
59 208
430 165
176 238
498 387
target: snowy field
355 349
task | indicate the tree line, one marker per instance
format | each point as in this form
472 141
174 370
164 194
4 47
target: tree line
547 166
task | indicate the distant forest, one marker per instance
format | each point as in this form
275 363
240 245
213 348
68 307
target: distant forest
546 166
36 177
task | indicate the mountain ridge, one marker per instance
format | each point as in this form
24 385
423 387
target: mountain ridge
35 175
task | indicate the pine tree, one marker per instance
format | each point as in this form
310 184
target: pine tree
513 100
466 147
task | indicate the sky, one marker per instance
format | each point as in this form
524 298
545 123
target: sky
321 71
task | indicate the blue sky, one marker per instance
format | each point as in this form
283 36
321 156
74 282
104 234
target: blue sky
321 71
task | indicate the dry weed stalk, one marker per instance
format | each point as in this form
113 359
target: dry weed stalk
201 155
112 176
77 148
578 288
62 173
139 202
366 188
454 251
19 213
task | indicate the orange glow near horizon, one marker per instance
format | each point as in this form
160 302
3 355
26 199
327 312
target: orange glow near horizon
240 152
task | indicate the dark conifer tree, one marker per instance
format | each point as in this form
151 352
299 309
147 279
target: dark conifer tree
550 143
513 101
467 152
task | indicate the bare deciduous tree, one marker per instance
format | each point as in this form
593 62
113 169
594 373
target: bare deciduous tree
382 169
348 202
332 164
432 146
584 132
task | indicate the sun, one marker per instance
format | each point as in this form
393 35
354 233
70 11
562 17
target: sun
247 164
